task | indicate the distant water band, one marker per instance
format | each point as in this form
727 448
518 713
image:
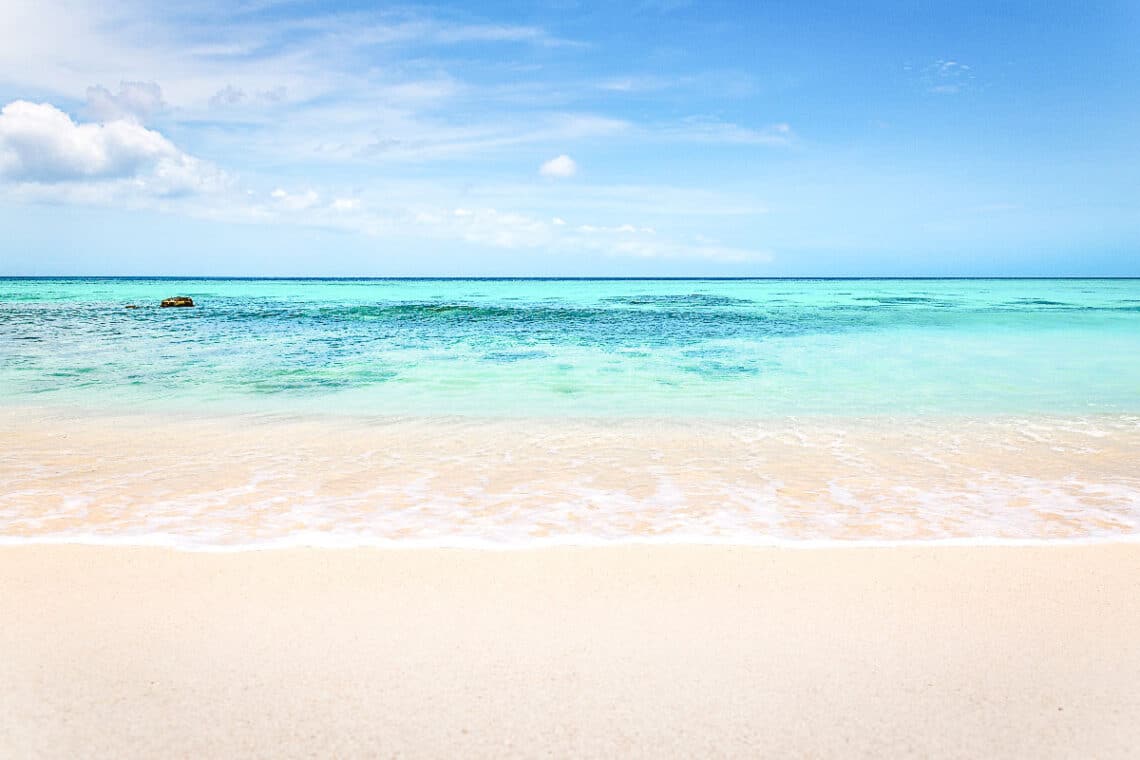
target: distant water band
737 348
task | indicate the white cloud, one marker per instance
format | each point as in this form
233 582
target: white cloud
257 94
46 156
513 230
40 143
199 49
560 167
254 89
489 226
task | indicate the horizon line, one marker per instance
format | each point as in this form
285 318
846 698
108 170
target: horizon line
558 277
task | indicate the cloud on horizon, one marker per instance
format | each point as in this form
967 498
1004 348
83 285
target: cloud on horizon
47 156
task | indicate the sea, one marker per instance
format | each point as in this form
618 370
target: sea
508 413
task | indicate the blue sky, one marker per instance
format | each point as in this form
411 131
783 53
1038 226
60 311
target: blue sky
659 137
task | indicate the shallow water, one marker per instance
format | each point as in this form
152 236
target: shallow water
246 481
520 413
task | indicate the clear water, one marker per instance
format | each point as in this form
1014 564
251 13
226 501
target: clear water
735 348
534 412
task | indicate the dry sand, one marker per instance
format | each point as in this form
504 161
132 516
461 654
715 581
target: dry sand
928 652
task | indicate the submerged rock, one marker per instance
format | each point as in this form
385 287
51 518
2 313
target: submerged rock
178 301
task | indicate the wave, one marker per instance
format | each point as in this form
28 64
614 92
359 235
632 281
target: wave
324 541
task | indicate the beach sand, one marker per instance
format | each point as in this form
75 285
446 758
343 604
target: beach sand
252 480
637 651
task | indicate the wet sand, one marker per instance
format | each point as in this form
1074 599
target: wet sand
327 480
649 652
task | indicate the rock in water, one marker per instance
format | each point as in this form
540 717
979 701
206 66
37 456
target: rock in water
178 301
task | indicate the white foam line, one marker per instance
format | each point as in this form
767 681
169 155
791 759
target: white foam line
308 541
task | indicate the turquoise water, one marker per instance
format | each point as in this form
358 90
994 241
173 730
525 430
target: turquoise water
741 348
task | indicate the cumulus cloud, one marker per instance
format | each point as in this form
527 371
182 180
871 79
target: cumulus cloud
136 101
41 144
560 167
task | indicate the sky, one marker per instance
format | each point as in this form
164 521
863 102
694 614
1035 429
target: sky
564 138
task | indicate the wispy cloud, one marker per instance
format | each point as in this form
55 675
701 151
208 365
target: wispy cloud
713 130
195 51
947 77
402 136
135 100
420 211
318 121
639 83
334 87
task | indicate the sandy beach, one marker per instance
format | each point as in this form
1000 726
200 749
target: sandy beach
923 652
491 380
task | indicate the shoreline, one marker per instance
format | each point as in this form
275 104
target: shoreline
509 482
312 411
638 651
174 543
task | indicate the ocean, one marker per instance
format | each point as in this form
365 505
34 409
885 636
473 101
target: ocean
513 412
